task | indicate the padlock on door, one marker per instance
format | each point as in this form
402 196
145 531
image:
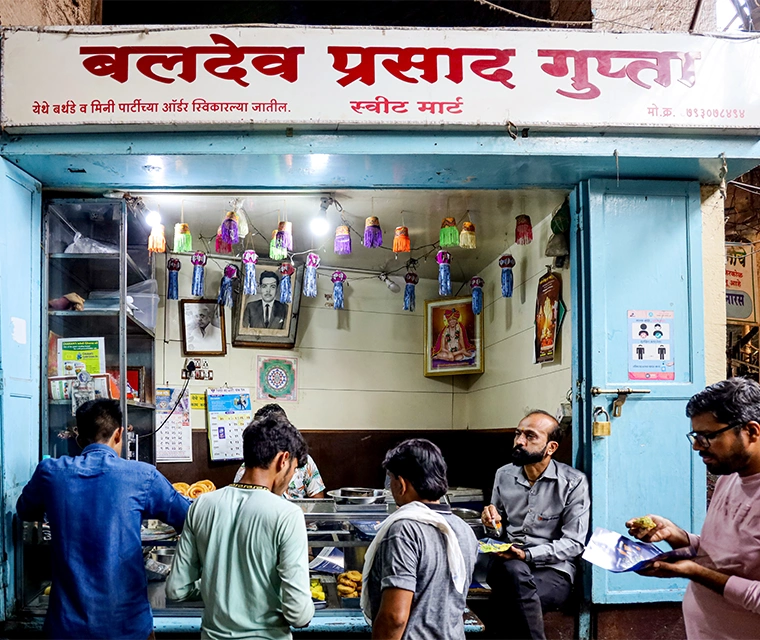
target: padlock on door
601 428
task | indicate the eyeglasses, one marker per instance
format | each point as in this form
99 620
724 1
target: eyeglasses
704 439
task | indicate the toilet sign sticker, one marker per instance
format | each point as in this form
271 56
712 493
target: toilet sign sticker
650 345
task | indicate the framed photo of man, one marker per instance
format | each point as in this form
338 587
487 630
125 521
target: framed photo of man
202 328
262 319
453 338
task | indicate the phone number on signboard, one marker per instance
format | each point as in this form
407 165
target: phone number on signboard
715 113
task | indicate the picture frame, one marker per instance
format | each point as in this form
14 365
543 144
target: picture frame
249 315
453 338
136 380
202 328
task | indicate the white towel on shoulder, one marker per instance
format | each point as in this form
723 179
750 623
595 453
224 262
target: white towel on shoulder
418 512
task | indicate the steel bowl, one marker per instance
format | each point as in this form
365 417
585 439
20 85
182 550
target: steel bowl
472 518
356 495
163 555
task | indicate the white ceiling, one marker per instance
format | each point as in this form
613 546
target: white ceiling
492 212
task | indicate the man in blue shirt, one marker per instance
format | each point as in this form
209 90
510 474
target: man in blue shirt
95 504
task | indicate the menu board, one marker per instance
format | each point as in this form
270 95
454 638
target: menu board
174 440
229 413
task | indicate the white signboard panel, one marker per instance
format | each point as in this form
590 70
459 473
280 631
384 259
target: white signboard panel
377 77
741 305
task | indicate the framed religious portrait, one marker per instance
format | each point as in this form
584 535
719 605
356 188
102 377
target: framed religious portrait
201 325
263 319
453 338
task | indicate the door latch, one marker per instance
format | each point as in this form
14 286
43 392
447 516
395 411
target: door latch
621 395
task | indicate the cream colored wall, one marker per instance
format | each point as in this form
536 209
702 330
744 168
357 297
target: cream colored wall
50 12
714 275
512 384
359 368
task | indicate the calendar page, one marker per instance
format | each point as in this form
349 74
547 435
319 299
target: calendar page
174 440
229 413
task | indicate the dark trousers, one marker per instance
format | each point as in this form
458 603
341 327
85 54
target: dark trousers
520 594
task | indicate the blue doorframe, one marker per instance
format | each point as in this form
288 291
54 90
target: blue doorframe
20 291
637 246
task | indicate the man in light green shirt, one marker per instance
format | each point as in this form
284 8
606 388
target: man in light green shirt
249 545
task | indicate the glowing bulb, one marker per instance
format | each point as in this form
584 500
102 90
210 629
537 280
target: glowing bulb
319 225
153 219
392 286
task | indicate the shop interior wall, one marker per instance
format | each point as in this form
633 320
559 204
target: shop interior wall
361 388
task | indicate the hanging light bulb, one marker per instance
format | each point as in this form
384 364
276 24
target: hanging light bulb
153 219
392 286
319 225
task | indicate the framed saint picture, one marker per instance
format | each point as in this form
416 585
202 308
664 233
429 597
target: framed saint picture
262 319
202 328
453 338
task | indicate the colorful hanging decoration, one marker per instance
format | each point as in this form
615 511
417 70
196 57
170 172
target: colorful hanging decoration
284 237
342 245
443 258
506 262
373 234
275 252
173 266
230 229
183 240
410 296
225 288
242 222
310 277
286 283
199 262
476 284
401 241
449 236
523 230
338 278
220 246
467 236
250 258
157 241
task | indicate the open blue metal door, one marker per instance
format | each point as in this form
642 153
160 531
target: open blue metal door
20 228
637 250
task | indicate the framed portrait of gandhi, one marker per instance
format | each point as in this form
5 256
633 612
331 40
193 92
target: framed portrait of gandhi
267 319
201 324
453 338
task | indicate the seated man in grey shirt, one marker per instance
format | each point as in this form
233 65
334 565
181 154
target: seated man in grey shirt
414 591
542 506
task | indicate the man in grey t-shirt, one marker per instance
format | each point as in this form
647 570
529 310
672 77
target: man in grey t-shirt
410 586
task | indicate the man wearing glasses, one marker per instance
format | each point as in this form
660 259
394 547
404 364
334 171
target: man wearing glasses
723 597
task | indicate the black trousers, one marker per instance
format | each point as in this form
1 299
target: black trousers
520 594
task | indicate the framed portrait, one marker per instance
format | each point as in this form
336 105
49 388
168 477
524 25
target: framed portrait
453 338
136 380
202 328
261 320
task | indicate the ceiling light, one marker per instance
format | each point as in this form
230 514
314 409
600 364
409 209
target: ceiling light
153 219
392 286
319 225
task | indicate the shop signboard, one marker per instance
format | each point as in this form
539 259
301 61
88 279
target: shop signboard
362 77
740 283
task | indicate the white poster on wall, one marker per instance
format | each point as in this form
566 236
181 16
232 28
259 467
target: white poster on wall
174 438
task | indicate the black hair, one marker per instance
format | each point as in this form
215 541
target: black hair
271 409
420 463
269 274
734 401
97 420
265 437
557 434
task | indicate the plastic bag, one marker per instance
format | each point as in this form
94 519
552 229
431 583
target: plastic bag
87 245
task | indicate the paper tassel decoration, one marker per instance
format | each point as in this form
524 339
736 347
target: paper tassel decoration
338 278
310 277
199 261
225 288
220 246
242 222
173 266
449 236
443 258
284 237
249 272
476 284
373 234
467 237
183 241
506 262
286 284
523 230
157 241
401 242
275 252
230 232
342 244
410 296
